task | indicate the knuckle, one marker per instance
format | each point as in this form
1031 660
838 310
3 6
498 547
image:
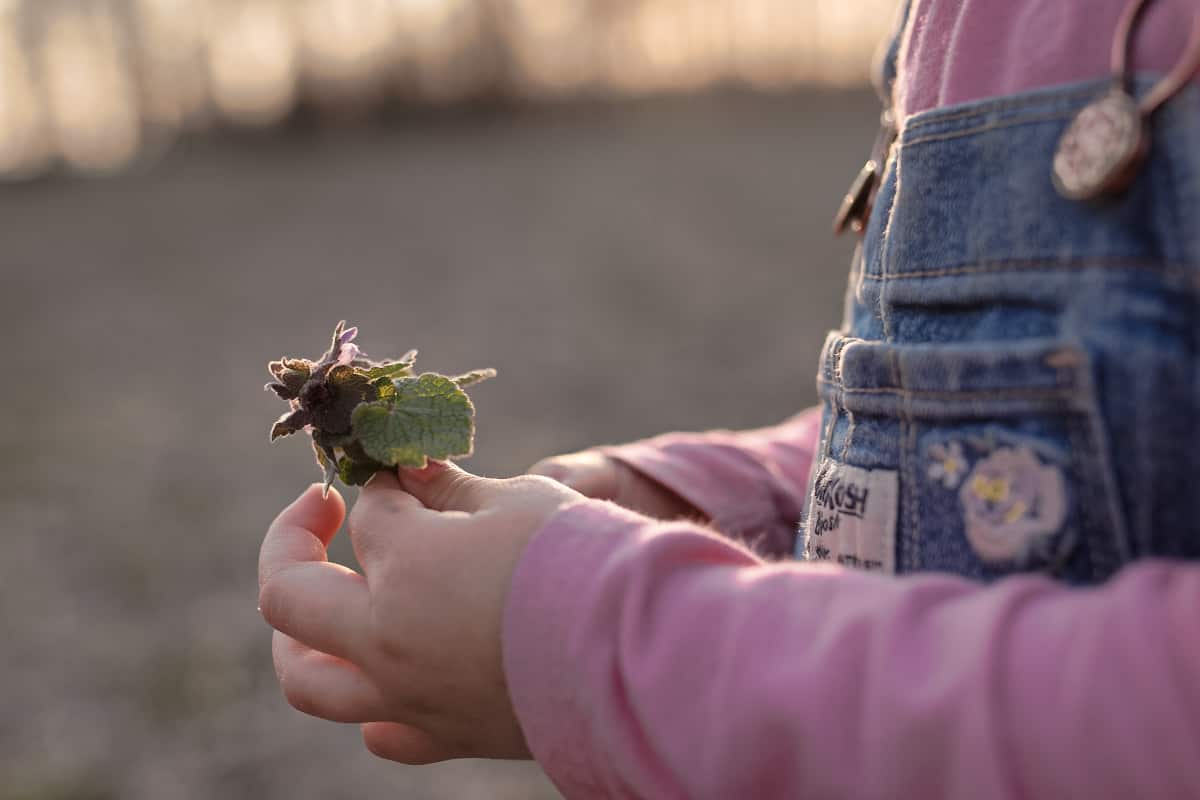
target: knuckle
362 510
544 465
270 602
538 486
295 694
455 486
276 602
384 640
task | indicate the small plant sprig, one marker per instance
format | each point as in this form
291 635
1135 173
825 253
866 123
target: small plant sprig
365 416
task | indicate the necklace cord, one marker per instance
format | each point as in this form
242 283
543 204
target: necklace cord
1179 75
1122 40
1122 47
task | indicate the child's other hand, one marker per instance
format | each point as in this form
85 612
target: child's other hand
411 647
594 474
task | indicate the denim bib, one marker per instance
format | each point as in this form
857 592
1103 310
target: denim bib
1016 384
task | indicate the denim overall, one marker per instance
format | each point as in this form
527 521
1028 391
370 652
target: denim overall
1016 384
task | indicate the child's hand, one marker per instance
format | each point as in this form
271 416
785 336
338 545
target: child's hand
594 474
412 646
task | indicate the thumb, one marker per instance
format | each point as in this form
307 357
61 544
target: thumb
444 486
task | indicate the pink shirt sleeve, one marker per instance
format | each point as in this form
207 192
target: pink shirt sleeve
658 660
750 484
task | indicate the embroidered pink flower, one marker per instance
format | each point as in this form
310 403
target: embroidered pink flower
948 464
1009 501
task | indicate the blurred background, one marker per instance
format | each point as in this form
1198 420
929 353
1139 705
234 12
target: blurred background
624 205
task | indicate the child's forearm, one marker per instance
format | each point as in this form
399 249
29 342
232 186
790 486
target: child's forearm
658 660
751 484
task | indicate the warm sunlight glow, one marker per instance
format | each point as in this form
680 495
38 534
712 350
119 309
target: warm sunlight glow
89 91
171 34
252 61
95 75
23 146
347 43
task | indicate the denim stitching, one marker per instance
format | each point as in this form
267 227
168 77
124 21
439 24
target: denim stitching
827 434
1119 530
1182 272
889 333
1017 393
1083 93
990 126
849 435
908 474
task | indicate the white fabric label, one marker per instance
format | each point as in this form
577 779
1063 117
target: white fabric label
852 517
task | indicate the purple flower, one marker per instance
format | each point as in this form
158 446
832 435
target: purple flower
347 353
1010 500
344 351
322 394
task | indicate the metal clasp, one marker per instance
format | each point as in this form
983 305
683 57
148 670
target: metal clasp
856 206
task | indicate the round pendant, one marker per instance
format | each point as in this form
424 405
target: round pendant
1102 148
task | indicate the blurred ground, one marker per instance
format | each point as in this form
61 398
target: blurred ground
629 268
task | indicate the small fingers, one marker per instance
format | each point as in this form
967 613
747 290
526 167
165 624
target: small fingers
325 686
406 744
324 605
301 532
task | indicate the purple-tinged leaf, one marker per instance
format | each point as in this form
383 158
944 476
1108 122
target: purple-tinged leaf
289 423
281 389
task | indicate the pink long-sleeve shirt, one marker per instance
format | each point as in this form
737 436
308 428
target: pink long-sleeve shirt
661 660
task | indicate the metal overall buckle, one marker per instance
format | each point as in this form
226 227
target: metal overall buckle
1102 150
860 197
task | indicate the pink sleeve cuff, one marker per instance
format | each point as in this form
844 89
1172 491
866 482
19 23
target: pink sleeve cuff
751 484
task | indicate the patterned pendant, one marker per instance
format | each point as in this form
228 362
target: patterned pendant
1101 150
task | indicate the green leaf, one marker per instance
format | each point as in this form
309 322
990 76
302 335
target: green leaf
330 473
393 369
322 460
473 377
383 388
327 460
356 473
328 441
428 417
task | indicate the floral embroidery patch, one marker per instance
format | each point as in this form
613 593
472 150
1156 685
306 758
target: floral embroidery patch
1009 498
948 465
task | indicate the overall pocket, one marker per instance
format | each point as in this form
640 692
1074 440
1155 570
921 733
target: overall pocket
980 459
